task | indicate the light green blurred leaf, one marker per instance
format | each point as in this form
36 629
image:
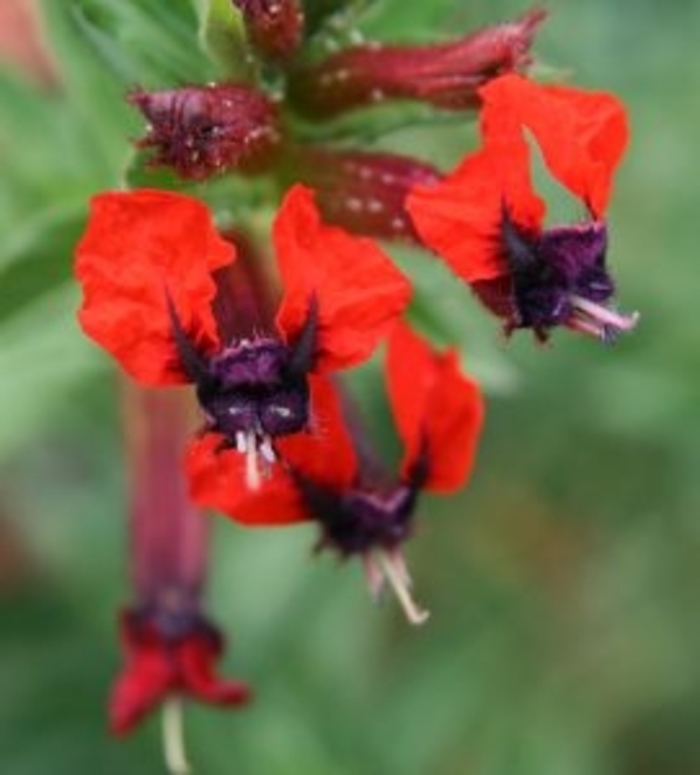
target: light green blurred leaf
222 35
43 356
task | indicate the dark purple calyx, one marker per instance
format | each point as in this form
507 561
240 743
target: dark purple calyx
558 277
167 623
359 520
253 390
371 523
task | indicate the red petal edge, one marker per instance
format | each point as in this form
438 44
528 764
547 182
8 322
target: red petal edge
438 411
359 291
326 455
217 481
135 246
148 676
582 134
460 217
197 656
156 668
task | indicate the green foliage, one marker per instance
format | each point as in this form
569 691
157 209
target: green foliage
563 582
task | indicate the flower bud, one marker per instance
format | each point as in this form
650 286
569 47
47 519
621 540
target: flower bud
364 192
202 131
446 75
274 27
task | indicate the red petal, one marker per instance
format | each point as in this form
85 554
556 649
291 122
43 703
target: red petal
325 455
217 481
136 245
359 291
582 134
148 677
198 655
460 217
438 411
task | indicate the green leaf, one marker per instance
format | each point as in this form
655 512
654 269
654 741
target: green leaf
222 34
51 157
153 45
95 97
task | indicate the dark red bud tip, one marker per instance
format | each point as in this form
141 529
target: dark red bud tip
274 27
200 131
446 75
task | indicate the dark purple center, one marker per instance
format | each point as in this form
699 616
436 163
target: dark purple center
171 624
252 389
550 269
358 519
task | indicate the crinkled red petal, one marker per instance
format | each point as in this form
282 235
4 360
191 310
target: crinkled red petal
460 217
138 244
582 134
217 480
359 291
157 668
438 411
197 656
324 454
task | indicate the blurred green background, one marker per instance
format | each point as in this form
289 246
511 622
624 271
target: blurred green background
563 583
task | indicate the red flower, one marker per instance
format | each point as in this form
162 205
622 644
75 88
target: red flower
170 647
334 477
148 264
487 222
161 664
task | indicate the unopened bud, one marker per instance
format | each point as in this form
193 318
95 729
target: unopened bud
446 75
274 27
200 131
363 192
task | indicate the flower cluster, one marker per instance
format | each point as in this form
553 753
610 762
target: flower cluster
335 479
265 330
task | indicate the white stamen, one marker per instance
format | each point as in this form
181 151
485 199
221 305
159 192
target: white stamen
397 560
241 442
374 576
396 574
586 327
252 472
174 737
266 450
601 314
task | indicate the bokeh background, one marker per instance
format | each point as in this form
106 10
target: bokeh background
564 582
